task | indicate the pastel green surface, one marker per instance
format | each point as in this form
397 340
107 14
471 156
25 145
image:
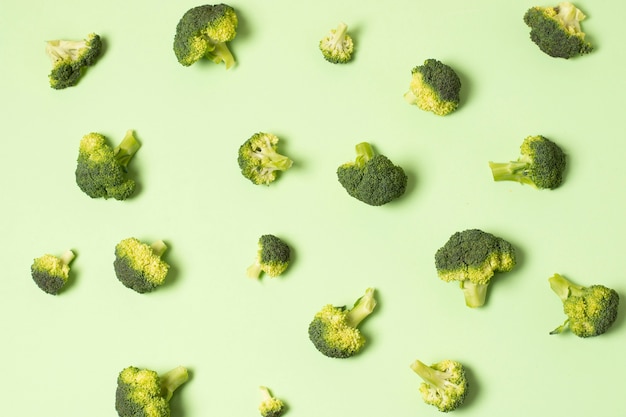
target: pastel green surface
61 355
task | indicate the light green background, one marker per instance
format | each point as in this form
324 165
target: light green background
61 355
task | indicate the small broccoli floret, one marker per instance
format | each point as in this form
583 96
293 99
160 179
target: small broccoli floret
139 266
556 30
101 171
273 256
334 330
70 59
142 392
337 46
270 406
259 159
434 87
472 257
445 384
541 164
203 32
590 310
51 273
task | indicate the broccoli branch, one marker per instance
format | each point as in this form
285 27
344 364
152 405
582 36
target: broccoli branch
511 171
67 257
361 309
431 376
127 148
475 294
364 153
159 247
173 379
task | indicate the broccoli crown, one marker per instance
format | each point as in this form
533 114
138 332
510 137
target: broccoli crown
373 179
337 46
556 30
334 331
203 32
139 266
101 171
434 87
541 164
70 58
273 256
259 160
270 406
472 257
590 311
51 273
445 384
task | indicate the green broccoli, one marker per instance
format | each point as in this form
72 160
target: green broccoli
139 266
270 406
259 160
434 87
445 384
541 164
142 392
371 178
51 273
101 171
472 257
590 310
337 46
203 32
556 30
71 58
334 330
273 256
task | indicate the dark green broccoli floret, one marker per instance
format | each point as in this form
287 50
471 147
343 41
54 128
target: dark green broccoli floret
590 310
270 406
472 257
203 32
337 46
273 256
139 266
541 164
434 87
445 384
71 58
556 30
259 160
334 330
143 393
51 273
373 179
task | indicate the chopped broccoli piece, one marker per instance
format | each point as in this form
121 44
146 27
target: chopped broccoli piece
259 159
142 392
541 164
270 406
70 58
472 257
434 87
203 32
139 266
273 256
51 273
445 384
556 30
337 46
590 311
334 330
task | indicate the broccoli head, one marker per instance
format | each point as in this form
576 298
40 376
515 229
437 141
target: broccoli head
203 32
472 257
556 30
334 330
371 178
445 384
337 46
51 273
434 87
259 159
541 164
270 406
70 58
590 311
273 256
139 266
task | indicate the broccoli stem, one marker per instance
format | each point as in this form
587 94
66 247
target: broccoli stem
159 247
254 270
560 328
510 171
428 374
127 148
362 308
475 294
339 35
563 287
173 379
67 257
266 395
364 153
220 53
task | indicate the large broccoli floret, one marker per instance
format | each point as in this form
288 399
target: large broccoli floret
143 393
556 30
434 87
51 273
590 310
259 159
371 178
270 406
337 46
273 256
139 266
541 164
334 330
445 384
472 257
203 32
70 58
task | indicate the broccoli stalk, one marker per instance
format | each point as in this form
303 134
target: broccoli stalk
337 47
126 149
172 380
445 384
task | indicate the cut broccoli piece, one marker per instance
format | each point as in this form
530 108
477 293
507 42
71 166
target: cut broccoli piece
259 159
139 266
445 384
270 406
337 46
70 59
273 256
434 87
51 273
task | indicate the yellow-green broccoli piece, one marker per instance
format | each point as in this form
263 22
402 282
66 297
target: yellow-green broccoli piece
445 384
259 160
51 273
273 256
270 406
70 59
434 87
337 46
139 266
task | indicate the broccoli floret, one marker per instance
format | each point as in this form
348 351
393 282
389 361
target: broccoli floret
472 257
556 30
541 164
139 266
434 87
142 392
445 384
371 178
51 273
101 171
259 160
273 256
270 406
590 310
334 330
203 32
70 59
337 46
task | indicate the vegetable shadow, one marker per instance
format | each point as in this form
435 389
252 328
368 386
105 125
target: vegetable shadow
466 89
473 387
495 280
173 273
